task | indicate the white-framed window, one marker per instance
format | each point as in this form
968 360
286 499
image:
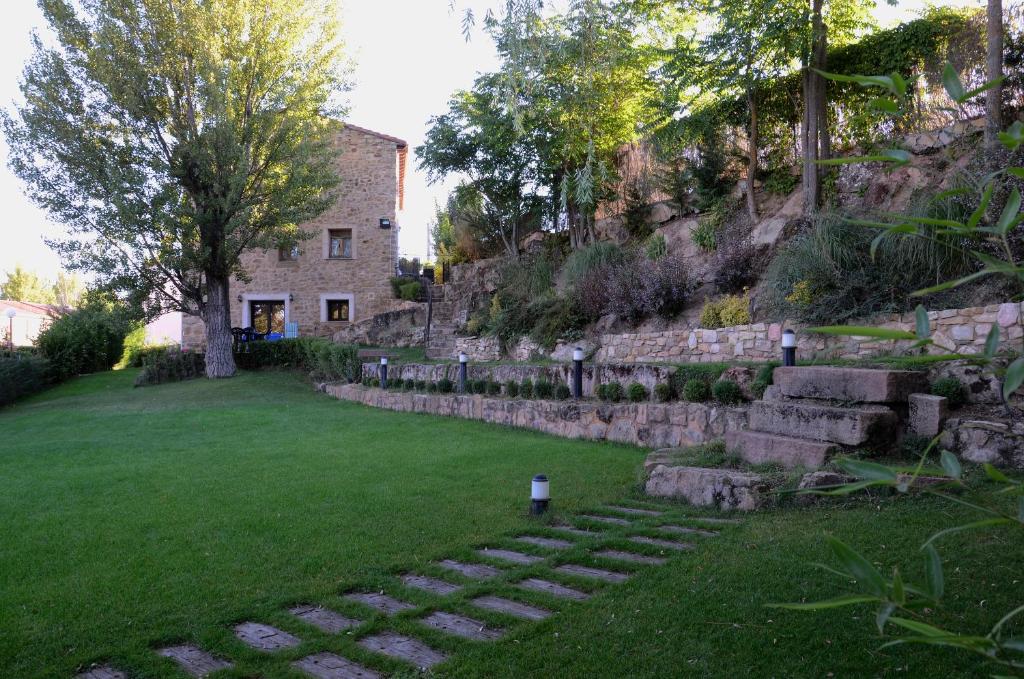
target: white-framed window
337 307
339 243
268 310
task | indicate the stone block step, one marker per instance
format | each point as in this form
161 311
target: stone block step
860 385
428 584
549 543
476 571
758 447
852 426
588 572
194 661
631 557
509 607
662 544
324 619
404 648
331 666
461 626
552 588
725 489
264 637
382 602
510 556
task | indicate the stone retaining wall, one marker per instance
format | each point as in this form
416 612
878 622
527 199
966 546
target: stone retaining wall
960 330
660 425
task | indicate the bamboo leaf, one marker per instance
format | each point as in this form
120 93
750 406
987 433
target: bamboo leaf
971 94
885 105
860 568
922 628
984 523
992 341
950 464
951 81
838 602
923 326
978 213
1008 219
948 285
898 594
862 469
1014 378
1016 172
864 331
933 572
995 474
883 615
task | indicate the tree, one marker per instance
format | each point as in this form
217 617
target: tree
169 136
994 73
68 290
26 286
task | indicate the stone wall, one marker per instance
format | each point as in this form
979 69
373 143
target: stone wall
959 330
644 424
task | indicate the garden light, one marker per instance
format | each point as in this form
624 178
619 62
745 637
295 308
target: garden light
539 494
788 348
577 373
383 372
11 313
463 359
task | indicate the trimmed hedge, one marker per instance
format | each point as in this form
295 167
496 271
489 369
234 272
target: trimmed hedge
22 376
322 358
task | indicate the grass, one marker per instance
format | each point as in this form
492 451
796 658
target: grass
135 518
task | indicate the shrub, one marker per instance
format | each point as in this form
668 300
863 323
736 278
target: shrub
557 319
637 208
952 389
421 385
409 384
781 181
431 387
562 392
726 311
543 389
594 257
705 372
703 235
763 379
479 386
396 283
637 392
170 365
613 392
638 289
526 388
727 392
21 376
655 247
512 389
696 391
493 388
86 340
736 266
663 392
600 392
445 385
410 291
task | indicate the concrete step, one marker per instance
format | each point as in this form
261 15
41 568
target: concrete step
758 447
861 385
824 421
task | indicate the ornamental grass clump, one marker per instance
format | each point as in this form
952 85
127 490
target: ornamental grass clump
544 389
696 391
727 392
637 392
512 389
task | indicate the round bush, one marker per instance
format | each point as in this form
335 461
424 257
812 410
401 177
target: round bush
637 392
543 389
409 385
600 391
662 392
421 385
562 392
952 389
512 389
445 385
493 388
526 388
613 392
479 386
696 391
727 392
431 387
86 340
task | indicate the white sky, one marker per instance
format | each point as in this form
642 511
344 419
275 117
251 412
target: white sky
409 57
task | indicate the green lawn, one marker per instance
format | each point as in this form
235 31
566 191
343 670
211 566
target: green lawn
131 518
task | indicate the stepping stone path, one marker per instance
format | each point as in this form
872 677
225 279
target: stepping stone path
460 626
634 511
605 519
103 672
552 588
550 543
264 637
588 572
664 544
382 602
476 571
509 607
194 660
324 619
403 648
577 531
510 556
428 584
714 520
330 666
631 557
686 530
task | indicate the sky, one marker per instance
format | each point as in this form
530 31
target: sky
409 55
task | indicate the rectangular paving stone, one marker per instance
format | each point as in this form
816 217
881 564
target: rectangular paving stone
664 544
633 511
102 672
510 556
552 588
549 543
461 626
579 532
404 648
588 572
331 666
264 637
509 607
714 520
606 519
194 660
324 619
382 602
631 557
687 530
428 584
477 571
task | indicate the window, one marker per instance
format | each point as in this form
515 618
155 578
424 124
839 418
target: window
337 310
339 244
288 254
267 316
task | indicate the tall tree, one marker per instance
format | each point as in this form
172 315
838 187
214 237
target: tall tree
68 290
26 286
994 72
171 135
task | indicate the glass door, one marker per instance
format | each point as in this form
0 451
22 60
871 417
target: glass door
267 316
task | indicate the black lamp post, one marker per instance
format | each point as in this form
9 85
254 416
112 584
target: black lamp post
463 360
539 495
383 372
577 373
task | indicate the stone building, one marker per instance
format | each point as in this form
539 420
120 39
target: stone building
340 274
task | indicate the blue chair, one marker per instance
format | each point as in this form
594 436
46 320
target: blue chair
273 336
291 330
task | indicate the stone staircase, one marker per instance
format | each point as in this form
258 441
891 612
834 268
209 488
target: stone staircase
812 413
442 330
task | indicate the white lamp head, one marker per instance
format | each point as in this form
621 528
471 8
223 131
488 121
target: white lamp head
539 489
463 358
788 339
577 354
383 360
11 313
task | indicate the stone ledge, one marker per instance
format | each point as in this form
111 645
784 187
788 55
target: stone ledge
726 489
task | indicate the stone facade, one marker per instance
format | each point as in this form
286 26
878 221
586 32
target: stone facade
640 424
371 167
959 330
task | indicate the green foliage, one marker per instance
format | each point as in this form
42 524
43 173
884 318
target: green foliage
585 261
409 384
25 286
562 392
725 312
421 385
613 392
477 386
704 235
780 181
322 358
696 390
432 387
86 340
21 376
493 388
411 291
727 392
703 372
396 283
445 385
526 388
557 319
543 389
764 378
952 389
655 247
663 392
637 393
170 364
637 201
512 389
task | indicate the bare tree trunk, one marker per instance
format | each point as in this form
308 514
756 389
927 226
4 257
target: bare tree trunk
220 362
994 96
752 157
817 142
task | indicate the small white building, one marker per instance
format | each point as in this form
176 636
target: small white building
27 321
